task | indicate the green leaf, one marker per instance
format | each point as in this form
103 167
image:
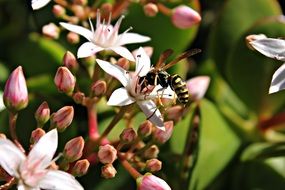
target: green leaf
236 17
4 72
217 146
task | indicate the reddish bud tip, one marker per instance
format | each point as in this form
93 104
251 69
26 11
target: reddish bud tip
72 38
151 152
15 95
42 114
80 168
58 11
124 63
51 31
36 135
128 135
69 60
185 17
99 88
78 97
153 165
149 182
160 136
108 171
150 9
107 154
80 2
64 80
73 149
145 129
62 118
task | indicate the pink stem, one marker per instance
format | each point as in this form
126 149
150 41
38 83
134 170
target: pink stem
92 122
12 126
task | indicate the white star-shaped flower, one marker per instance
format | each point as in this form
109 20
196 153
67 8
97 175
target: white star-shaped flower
105 37
32 171
37 4
131 91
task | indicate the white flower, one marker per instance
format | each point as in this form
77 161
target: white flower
32 171
105 37
131 91
273 48
37 4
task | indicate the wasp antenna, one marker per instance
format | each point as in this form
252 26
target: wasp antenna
182 56
163 57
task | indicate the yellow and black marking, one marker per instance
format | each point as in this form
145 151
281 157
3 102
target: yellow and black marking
179 87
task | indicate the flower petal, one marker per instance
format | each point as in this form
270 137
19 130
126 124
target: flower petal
25 187
87 49
59 180
270 47
278 80
120 97
44 149
152 113
130 38
115 71
78 30
142 62
124 52
198 86
37 4
11 157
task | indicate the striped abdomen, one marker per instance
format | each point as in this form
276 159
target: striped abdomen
179 87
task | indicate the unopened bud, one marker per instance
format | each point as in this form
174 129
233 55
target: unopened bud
69 60
36 135
64 80
62 118
78 97
79 11
106 8
80 2
253 37
150 9
58 11
149 181
3 136
15 95
128 135
145 129
99 88
153 165
124 63
72 38
51 31
107 154
161 136
80 168
108 171
198 86
42 114
185 17
73 149
175 113
151 152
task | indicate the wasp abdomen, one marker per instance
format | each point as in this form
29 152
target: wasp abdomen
179 87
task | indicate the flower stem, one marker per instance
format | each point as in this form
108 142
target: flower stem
163 9
134 173
92 122
12 126
272 122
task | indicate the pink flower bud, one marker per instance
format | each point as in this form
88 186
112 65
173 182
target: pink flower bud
175 113
198 86
79 11
58 11
51 31
151 152
15 95
145 129
124 63
3 136
73 149
62 118
64 80
36 135
72 38
80 2
78 97
108 171
80 168
150 9
42 114
160 136
184 17
153 165
128 135
69 60
151 182
107 154
99 88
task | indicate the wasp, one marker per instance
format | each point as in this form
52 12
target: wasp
158 75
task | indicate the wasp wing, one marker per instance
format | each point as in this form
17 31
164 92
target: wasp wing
162 58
